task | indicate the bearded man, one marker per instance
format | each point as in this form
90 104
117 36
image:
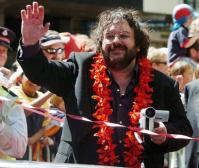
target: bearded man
112 85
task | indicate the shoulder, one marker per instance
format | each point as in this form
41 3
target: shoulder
81 59
193 85
163 78
81 55
164 83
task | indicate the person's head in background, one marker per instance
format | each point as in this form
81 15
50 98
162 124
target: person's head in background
29 88
78 43
182 15
53 45
196 72
193 42
182 72
7 36
193 50
158 58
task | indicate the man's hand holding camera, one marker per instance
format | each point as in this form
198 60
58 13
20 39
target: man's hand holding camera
159 139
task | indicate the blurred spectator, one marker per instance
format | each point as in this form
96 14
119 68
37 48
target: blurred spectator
7 36
196 72
71 45
78 43
53 133
27 92
85 43
58 102
193 44
182 72
15 78
182 18
13 127
158 58
192 101
43 135
53 45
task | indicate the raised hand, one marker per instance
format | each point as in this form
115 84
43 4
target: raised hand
32 27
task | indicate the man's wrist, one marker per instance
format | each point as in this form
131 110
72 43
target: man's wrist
26 43
27 51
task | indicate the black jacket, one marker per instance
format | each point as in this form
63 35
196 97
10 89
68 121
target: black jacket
71 80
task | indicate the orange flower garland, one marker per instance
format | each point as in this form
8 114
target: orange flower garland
143 92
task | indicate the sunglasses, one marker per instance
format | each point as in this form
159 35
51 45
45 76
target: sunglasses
54 50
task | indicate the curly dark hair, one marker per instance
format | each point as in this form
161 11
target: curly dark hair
108 17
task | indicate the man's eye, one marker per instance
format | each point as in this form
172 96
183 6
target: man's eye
124 36
110 37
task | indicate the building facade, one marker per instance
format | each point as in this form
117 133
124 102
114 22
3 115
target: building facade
77 16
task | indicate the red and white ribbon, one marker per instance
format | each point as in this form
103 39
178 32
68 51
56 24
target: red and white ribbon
44 113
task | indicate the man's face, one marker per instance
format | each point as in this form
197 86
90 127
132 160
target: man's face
196 56
194 51
55 51
3 55
188 75
118 45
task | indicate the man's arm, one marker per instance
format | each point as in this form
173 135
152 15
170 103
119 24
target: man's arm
57 77
178 122
167 97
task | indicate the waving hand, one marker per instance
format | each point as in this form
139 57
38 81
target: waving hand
32 27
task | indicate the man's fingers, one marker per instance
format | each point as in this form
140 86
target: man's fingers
41 13
29 11
161 124
158 139
161 128
23 15
35 10
32 21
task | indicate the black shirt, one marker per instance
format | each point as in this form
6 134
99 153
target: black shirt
122 104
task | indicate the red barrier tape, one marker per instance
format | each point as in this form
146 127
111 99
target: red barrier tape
44 113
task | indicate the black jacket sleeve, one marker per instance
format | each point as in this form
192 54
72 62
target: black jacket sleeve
57 76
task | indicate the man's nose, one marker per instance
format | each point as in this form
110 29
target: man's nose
50 56
116 39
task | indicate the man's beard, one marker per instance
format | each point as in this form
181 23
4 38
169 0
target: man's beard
122 62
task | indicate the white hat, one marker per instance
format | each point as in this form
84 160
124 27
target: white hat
52 37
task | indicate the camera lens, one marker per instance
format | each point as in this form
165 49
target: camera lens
150 112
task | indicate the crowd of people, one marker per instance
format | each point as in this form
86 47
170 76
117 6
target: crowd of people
107 77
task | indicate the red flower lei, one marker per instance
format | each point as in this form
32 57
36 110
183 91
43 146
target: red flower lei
102 95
